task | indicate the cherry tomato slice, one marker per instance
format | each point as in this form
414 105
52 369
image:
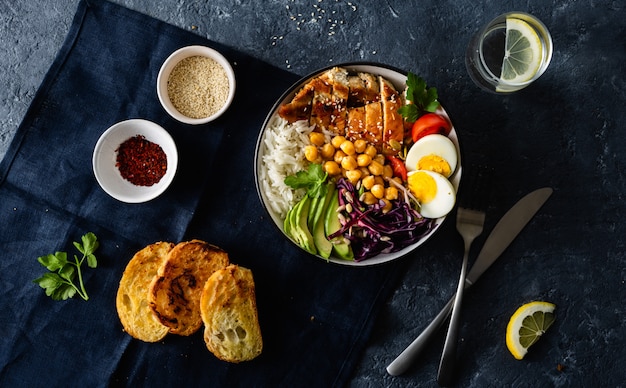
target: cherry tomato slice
429 124
398 167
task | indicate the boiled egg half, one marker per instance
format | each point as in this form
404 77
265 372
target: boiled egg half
435 153
434 192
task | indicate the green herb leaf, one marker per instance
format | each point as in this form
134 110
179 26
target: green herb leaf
59 283
90 243
422 98
63 292
409 112
53 262
49 280
67 272
312 179
91 261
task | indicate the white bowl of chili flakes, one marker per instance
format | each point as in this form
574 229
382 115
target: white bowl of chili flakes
135 160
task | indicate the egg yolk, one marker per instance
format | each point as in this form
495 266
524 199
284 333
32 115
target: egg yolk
435 163
423 186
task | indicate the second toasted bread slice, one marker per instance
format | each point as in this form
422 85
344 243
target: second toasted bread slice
175 291
132 295
228 305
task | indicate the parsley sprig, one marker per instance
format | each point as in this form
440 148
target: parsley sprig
59 283
312 179
423 99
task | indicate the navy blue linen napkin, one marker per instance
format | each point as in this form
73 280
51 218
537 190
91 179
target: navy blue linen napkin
315 317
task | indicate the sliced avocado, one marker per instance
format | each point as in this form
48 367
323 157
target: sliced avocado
318 207
290 222
332 224
323 245
300 226
287 223
316 203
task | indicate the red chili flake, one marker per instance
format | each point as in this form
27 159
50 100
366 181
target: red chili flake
140 161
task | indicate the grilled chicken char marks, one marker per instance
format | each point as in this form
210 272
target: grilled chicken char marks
359 106
300 106
364 89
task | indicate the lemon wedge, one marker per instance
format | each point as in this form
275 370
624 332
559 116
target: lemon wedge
526 325
523 52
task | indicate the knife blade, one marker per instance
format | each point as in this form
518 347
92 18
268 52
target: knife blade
505 231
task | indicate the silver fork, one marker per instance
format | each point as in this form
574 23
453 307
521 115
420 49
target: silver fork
470 218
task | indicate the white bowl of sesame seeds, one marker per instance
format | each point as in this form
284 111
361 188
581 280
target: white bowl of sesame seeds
196 85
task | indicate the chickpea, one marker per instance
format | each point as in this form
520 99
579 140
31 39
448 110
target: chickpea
375 168
348 163
339 155
363 160
347 147
360 145
365 172
380 158
337 140
371 151
332 168
353 176
387 206
391 193
317 138
310 153
378 191
328 151
368 198
379 180
387 171
368 182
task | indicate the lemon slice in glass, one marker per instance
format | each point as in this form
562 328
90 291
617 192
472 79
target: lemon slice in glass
523 52
526 325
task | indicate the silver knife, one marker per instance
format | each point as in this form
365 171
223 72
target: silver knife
505 231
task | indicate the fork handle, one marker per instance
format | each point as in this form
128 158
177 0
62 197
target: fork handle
447 366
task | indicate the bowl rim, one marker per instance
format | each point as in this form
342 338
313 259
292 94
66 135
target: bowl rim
170 63
102 151
359 66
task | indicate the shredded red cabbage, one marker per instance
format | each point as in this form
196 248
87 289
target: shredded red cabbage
372 231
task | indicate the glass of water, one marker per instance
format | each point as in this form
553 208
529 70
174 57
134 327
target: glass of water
509 53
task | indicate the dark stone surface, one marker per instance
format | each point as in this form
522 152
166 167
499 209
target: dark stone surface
566 131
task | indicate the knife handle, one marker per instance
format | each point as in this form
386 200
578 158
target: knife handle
447 366
405 359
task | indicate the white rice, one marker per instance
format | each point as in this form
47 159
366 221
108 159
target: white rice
283 155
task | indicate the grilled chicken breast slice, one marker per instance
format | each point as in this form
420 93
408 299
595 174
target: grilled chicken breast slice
322 105
356 123
300 106
363 89
338 78
374 124
393 124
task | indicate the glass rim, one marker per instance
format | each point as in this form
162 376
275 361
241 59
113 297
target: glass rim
542 30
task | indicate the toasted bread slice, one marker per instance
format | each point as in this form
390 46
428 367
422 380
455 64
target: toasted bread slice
132 295
228 305
175 291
